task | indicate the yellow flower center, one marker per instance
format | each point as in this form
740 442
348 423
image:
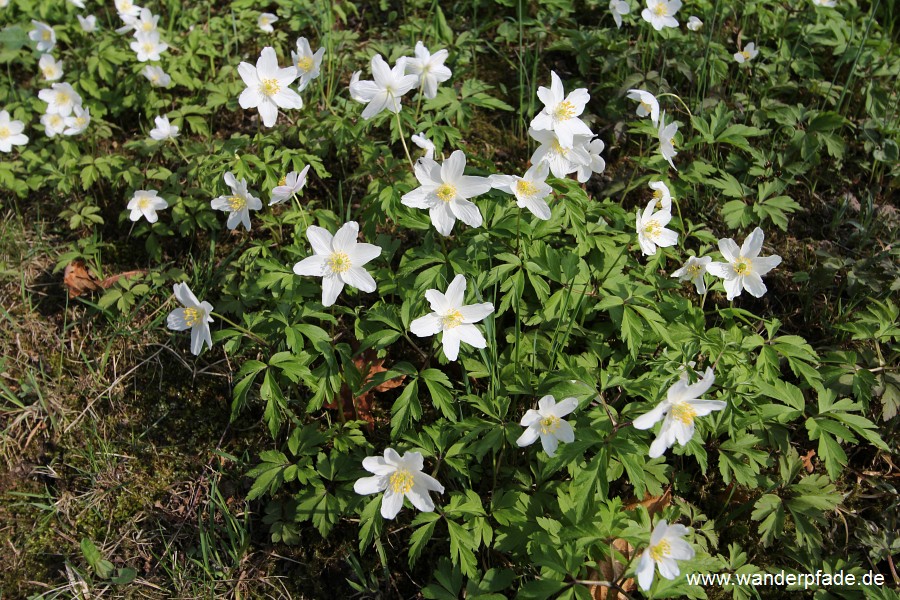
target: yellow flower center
264 21
745 54
657 194
452 319
237 203
661 10
743 266
62 98
192 316
564 110
305 63
526 188
270 87
47 71
684 412
401 481
660 550
55 120
147 25
646 106
339 262
4 132
694 271
282 181
45 35
154 78
143 202
549 424
652 229
559 149
446 192
148 47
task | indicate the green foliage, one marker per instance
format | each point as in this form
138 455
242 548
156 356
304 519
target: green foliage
579 311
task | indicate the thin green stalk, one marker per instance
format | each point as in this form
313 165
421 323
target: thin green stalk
862 44
240 328
403 139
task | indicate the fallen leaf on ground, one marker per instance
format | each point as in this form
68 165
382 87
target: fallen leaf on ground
807 461
361 406
78 280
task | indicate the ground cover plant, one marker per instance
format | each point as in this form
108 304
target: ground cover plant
491 299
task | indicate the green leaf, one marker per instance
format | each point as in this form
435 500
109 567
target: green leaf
102 567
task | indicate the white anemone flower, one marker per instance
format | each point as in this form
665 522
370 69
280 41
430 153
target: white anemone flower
265 21
127 8
61 98
453 318
43 35
678 412
54 124
267 86
145 203
661 195
560 112
163 130
665 548
596 165
292 183
338 260
385 91
195 316
11 133
88 23
146 22
51 68
148 46
429 68
661 13
529 190
667 139
651 229
78 3
445 191
694 270
306 63
648 105
156 76
424 143
78 121
398 477
619 8
239 203
547 424
562 160
744 267
694 24
747 54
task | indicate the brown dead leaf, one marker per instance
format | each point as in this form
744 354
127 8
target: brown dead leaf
807 461
78 280
609 568
361 406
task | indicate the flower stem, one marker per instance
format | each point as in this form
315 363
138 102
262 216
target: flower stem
243 330
403 139
677 97
296 199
